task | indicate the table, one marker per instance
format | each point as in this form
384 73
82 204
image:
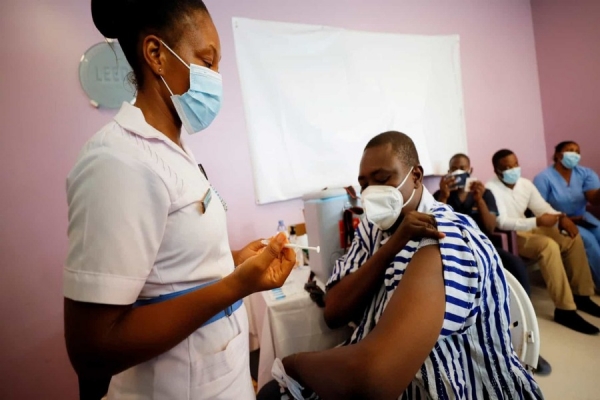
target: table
290 325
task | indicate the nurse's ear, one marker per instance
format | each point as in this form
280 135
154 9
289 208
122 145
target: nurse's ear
154 53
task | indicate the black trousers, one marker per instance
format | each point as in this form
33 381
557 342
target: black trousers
271 391
516 266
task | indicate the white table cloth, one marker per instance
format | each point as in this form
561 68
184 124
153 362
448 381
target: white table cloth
291 324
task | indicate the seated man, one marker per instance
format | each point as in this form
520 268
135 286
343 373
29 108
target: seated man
433 313
561 256
479 204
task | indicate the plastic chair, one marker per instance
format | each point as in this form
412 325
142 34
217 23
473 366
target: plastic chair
524 330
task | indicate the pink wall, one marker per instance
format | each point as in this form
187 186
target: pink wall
46 119
567 36
44 122
501 91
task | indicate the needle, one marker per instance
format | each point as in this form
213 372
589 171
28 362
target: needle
296 246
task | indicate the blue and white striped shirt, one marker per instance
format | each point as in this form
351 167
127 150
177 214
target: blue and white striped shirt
473 357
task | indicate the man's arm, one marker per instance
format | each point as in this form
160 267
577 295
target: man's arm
545 214
486 205
387 360
489 219
537 204
348 298
447 185
509 222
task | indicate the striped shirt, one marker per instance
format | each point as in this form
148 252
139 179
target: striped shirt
473 357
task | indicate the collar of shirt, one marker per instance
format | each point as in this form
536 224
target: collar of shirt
132 119
427 201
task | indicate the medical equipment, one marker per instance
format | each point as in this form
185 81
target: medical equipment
322 213
296 246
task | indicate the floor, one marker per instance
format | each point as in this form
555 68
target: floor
575 358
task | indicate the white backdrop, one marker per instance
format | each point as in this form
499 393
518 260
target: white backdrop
315 95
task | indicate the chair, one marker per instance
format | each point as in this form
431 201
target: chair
524 330
507 240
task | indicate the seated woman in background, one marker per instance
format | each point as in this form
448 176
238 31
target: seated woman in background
569 187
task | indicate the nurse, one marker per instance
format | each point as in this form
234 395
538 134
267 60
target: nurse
153 293
569 187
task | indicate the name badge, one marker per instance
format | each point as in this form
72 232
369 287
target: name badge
205 201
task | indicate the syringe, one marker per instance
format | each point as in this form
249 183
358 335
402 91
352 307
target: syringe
296 246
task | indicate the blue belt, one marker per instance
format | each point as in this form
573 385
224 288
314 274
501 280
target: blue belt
164 297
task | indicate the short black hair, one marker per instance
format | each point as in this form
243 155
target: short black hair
499 155
460 155
401 143
129 20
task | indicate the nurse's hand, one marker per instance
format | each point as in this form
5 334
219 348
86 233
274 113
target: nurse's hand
267 270
252 249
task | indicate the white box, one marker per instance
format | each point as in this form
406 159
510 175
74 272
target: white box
322 212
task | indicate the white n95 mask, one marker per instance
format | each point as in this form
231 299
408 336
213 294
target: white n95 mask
383 203
198 107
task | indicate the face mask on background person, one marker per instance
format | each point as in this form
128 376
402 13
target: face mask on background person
570 159
511 176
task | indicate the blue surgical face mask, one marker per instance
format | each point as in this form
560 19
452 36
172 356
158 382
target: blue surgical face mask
570 159
198 107
511 176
